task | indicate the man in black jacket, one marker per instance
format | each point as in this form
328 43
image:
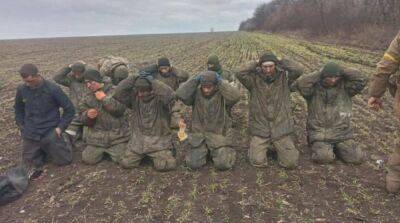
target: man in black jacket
37 114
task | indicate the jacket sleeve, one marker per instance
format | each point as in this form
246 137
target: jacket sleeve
67 106
230 93
187 91
62 77
182 75
305 85
294 69
388 65
354 81
124 91
112 106
19 109
165 94
245 75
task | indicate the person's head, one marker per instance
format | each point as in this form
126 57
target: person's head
143 88
121 72
208 83
268 62
93 80
330 74
164 66
30 75
77 70
213 63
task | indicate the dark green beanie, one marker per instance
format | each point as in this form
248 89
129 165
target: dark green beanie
28 69
213 60
142 84
268 56
121 72
78 67
163 62
93 75
331 69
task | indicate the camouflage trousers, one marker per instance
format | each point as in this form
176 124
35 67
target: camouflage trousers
348 151
223 158
163 160
287 153
94 154
393 175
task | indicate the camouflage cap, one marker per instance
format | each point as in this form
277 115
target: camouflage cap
268 56
331 69
28 69
78 67
93 75
142 84
209 78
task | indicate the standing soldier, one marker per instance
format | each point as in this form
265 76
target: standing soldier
72 77
328 94
114 69
213 64
382 80
271 121
151 102
106 129
212 100
37 114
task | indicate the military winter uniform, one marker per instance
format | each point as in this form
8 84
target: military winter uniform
271 122
77 90
108 133
114 69
329 113
150 123
211 123
388 66
213 61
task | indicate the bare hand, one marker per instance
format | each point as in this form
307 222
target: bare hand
92 113
375 103
100 95
58 132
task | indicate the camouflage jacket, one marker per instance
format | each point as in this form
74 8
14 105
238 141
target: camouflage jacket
77 88
388 65
173 79
110 127
330 109
211 118
270 104
150 120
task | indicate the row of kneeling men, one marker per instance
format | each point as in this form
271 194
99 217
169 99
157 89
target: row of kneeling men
154 95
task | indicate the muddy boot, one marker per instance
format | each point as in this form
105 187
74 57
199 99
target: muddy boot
393 175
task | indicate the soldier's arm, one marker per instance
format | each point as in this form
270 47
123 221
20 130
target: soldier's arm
245 75
124 91
305 85
83 108
19 109
294 69
112 106
354 81
187 91
182 75
68 108
62 78
230 93
388 65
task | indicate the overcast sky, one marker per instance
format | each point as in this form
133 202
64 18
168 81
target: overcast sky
53 18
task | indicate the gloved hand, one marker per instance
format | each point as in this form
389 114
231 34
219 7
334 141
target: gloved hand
219 78
146 75
198 78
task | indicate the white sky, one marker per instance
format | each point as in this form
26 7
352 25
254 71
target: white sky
54 18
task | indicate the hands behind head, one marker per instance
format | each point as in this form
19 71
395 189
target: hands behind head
100 95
